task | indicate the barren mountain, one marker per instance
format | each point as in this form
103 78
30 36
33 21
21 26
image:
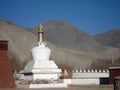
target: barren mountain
110 38
70 47
69 37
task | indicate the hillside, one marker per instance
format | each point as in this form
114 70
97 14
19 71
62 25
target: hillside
110 38
67 36
70 47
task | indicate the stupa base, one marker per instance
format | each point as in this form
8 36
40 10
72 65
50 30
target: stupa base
41 69
61 83
45 76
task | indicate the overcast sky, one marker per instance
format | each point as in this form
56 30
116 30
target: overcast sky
91 16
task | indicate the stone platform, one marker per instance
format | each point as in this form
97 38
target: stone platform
41 69
62 83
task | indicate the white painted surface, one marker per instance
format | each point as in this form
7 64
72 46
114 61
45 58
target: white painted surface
67 81
45 64
45 70
45 76
92 81
40 52
89 75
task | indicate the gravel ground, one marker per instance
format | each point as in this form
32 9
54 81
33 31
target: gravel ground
82 87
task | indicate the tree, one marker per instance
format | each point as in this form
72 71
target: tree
15 63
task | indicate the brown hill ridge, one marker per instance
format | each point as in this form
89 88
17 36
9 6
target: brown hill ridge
69 37
109 38
70 47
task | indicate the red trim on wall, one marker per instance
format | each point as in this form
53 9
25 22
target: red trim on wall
6 75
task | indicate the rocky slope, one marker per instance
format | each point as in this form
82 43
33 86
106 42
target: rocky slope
70 47
110 38
69 37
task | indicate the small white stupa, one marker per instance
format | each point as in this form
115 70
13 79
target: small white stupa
41 67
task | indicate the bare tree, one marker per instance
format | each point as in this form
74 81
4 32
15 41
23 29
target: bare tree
15 63
104 64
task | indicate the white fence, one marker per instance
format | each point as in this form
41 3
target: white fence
85 77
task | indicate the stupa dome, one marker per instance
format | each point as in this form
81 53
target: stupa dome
40 52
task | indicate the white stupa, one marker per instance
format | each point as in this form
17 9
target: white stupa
41 67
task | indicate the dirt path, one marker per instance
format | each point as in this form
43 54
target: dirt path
83 87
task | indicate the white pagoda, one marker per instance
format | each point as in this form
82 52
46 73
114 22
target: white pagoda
41 67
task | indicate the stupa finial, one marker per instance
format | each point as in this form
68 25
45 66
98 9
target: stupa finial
40 34
40 28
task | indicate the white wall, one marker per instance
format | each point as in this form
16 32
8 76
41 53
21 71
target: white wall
87 77
93 81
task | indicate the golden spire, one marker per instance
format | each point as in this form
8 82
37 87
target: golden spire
40 34
40 29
